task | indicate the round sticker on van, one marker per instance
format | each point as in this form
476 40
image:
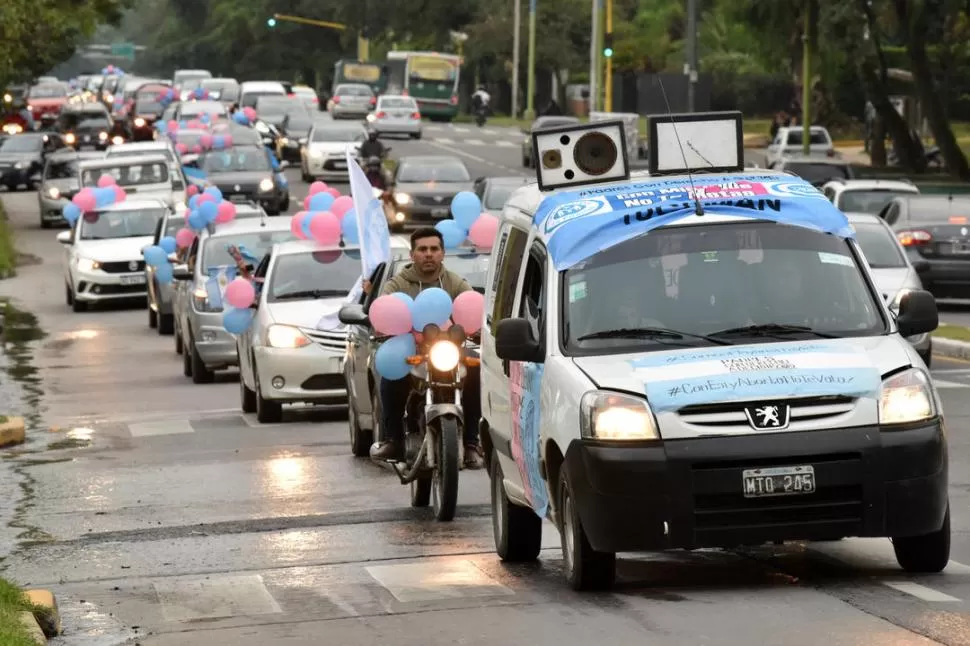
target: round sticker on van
574 211
796 189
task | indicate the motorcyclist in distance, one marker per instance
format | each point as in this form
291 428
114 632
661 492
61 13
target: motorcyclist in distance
481 98
375 173
372 147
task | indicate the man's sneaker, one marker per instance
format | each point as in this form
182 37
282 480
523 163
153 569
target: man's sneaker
386 451
473 457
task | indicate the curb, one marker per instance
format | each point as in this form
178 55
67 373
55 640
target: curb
46 613
951 348
33 628
12 432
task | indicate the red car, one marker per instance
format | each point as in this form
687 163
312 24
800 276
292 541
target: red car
47 99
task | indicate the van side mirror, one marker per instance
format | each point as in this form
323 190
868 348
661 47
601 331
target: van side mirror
65 237
353 314
515 341
917 313
181 272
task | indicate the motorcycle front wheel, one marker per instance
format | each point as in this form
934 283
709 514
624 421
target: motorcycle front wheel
445 479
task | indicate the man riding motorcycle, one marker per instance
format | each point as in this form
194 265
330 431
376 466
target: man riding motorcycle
372 147
427 270
375 173
481 98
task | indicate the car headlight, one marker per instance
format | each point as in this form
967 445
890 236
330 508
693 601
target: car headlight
70 138
608 415
7 98
103 136
285 336
20 165
117 140
303 141
906 397
86 264
284 141
139 123
53 193
316 154
402 199
444 356
266 185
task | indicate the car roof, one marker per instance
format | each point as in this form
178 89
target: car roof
158 144
133 205
66 153
429 158
396 96
220 79
508 180
249 225
812 159
121 160
904 185
864 218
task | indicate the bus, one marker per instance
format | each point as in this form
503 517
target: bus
430 77
354 71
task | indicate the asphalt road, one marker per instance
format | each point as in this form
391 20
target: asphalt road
156 510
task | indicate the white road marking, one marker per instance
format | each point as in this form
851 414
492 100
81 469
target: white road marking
459 151
160 427
460 129
919 591
955 567
474 142
410 582
951 371
504 144
942 383
215 597
252 422
444 140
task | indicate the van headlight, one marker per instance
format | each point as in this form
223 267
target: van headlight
266 185
402 199
606 415
285 336
444 356
906 397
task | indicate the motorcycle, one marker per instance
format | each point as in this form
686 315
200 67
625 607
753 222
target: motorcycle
480 114
434 421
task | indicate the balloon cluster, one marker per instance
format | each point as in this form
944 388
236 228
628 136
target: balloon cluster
216 137
87 200
167 97
325 212
111 69
469 223
205 208
245 116
239 295
156 256
402 318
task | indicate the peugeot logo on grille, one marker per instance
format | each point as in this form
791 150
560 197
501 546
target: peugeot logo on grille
768 417
133 265
236 187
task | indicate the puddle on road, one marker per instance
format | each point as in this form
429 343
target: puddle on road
22 394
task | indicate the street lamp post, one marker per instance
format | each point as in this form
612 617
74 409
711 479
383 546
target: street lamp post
594 55
530 112
516 45
608 54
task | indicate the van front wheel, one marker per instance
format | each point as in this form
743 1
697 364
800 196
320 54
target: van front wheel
925 554
583 567
517 530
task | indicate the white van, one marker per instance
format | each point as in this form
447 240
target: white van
141 176
250 91
676 360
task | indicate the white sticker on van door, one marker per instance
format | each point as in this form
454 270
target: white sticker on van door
835 259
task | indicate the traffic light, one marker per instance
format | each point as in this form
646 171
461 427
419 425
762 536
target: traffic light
608 45
271 22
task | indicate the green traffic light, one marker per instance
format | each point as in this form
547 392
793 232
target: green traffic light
271 22
608 52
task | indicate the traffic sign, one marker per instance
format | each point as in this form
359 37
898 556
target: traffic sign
123 50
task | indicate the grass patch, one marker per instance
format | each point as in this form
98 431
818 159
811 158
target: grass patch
12 603
955 332
8 255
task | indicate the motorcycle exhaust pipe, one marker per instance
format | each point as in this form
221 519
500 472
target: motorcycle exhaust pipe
412 474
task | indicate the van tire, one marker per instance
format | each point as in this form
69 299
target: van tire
360 439
926 554
166 324
516 529
583 567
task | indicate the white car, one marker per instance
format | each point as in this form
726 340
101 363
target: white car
866 195
396 115
158 147
103 252
294 351
788 141
324 156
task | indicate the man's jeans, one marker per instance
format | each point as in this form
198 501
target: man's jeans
394 397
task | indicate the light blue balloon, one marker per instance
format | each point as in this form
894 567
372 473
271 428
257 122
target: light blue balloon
161 126
209 211
193 201
240 118
104 196
164 274
155 256
452 233
214 192
205 118
196 220
281 179
431 306
218 142
237 321
71 212
406 298
348 228
390 360
183 124
321 202
305 225
168 243
465 208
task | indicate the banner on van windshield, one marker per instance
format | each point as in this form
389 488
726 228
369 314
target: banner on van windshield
581 223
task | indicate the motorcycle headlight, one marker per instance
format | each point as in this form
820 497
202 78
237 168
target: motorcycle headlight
285 336
402 199
70 138
103 136
378 192
906 397
444 356
53 193
284 141
303 141
7 98
607 415
266 185
139 123
86 264
117 140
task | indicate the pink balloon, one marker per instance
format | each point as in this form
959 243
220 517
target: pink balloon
206 140
296 225
120 195
341 205
390 315
325 228
250 113
181 148
483 231
85 200
205 197
240 293
468 310
106 180
192 190
226 213
317 187
333 191
173 126
196 149
184 238
228 140
195 124
306 202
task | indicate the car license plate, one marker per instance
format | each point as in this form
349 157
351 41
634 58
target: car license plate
439 213
340 165
778 481
87 137
237 198
960 248
133 280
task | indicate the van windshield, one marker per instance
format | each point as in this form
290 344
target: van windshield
715 281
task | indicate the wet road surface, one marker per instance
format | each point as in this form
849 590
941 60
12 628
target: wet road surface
164 514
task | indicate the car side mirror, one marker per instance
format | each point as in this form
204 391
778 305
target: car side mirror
181 272
921 266
917 313
515 341
353 314
65 237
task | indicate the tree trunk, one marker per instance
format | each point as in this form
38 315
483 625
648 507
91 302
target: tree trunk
914 14
877 148
909 153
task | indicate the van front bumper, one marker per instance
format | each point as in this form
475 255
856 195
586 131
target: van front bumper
688 493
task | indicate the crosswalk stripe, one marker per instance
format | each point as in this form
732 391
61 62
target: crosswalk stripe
444 140
919 591
460 129
504 144
160 427
475 142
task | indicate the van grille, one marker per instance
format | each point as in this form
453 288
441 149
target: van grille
731 417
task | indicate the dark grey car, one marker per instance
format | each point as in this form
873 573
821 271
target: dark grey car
423 187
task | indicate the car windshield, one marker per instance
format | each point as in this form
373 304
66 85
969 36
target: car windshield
273 105
870 201
299 121
222 91
66 169
99 122
815 138
142 152
131 174
22 144
250 99
317 274
215 251
236 160
394 103
715 280
470 266
879 245
339 134
353 90
148 106
195 109
48 91
433 171
111 225
815 173
70 120
498 194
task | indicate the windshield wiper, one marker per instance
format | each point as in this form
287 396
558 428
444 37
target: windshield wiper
773 329
649 332
311 293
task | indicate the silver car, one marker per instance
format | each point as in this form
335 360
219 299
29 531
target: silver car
396 115
59 183
892 271
352 101
324 155
206 345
